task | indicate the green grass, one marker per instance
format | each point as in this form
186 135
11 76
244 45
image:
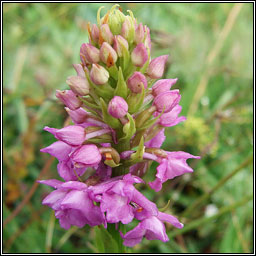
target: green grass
41 41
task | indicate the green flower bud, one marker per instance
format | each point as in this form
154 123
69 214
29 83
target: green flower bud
115 20
128 28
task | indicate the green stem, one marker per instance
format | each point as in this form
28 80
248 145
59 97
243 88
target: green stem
201 221
49 234
120 147
205 196
116 235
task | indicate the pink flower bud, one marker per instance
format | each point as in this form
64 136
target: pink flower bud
128 29
156 67
79 85
117 107
136 81
125 29
148 39
167 100
119 44
89 54
69 99
139 55
163 85
95 33
98 74
79 69
78 116
86 156
73 135
106 34
108 54
139 34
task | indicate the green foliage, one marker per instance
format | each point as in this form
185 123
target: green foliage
42 40
105 242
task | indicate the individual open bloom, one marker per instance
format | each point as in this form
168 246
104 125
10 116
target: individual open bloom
65 167
152 228
171 118
171 164
73 158
170 167
72 204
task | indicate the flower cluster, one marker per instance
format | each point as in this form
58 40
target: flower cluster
119 111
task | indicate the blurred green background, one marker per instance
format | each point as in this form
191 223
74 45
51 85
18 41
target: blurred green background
211 52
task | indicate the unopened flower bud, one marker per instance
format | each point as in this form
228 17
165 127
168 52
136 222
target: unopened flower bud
69 99
119 44
148 38
79 70
108 54
95 33
89 54
117 107
156 67
163 85
136 81
113 153
79 85
115 20
105 34
167 100
73 135
98 74
86 156
128 29
139 55
139 34
78 116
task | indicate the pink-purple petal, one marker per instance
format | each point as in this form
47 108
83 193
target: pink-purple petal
171 219
58 149
52 182
157 141
134 236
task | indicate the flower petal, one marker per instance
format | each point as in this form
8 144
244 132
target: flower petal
171 219
58 149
